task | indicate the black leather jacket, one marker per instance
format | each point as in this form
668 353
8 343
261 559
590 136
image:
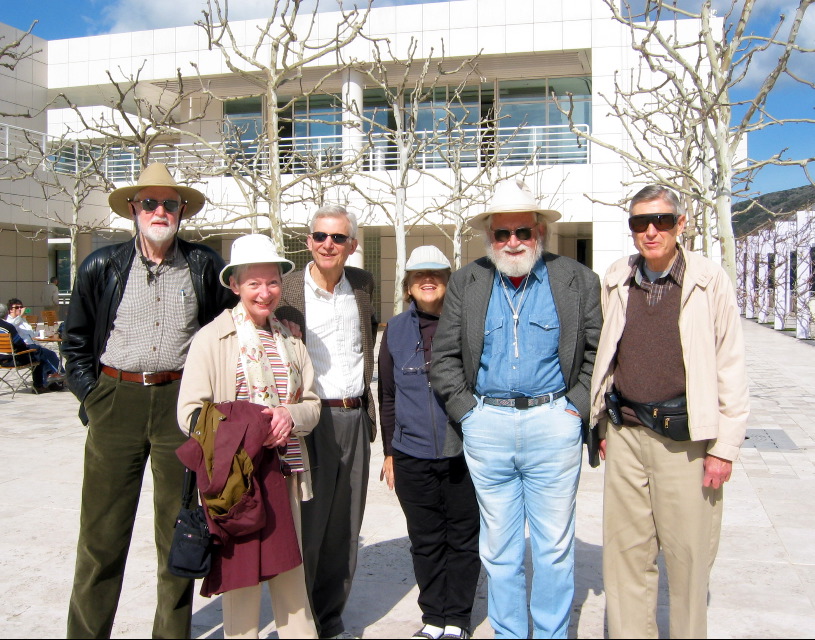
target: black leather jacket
98 290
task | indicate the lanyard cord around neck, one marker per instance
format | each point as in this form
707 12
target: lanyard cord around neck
516 311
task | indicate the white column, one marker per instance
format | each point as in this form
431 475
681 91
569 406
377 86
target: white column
803 318
763 282
782 268
750 278
356 259
353 139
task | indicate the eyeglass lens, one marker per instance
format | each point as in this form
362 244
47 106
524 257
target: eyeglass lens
661 222
338 238
522 233
416 364
149 204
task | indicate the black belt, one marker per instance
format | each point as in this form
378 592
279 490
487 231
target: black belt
343 403
525 403
146 378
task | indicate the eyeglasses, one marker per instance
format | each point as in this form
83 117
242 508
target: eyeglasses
338 238
661 222
416 364
502 235
149 204
17 306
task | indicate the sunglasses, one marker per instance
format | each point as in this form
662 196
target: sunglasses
17 306
661 222
149 204
338 238
502 235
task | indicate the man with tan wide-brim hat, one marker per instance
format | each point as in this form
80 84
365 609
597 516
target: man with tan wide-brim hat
512 359
134 310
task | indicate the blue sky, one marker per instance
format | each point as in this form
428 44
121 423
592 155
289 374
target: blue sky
72 18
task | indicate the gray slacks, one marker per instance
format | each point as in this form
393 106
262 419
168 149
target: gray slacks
340 455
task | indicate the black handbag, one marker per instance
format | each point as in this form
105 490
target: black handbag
190 552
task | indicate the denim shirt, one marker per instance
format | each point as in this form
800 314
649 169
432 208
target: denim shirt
536 371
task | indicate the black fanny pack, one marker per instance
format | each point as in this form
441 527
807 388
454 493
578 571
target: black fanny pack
668 418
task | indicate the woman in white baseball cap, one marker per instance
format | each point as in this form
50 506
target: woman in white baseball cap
424 459
247 355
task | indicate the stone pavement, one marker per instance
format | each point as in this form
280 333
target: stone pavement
763 583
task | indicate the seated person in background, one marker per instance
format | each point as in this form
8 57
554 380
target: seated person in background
52 372
39 374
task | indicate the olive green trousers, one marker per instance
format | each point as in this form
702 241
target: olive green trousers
129 423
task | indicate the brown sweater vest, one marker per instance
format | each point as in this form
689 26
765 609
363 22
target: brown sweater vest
649 365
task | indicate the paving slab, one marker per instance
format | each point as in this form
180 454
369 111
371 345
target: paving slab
762 586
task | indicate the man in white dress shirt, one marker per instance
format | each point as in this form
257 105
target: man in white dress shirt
332 304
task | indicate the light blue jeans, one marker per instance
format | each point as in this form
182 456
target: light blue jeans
525 465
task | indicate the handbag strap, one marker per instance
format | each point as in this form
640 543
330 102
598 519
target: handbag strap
188 488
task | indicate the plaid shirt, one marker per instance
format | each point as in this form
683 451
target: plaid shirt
157 318
656 290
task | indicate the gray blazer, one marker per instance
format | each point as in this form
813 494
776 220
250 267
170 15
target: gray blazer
293 307
459 339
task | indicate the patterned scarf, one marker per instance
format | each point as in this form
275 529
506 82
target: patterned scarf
260 380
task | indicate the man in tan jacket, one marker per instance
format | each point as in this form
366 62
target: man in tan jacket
669 392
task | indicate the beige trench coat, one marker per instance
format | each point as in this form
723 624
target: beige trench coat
210 373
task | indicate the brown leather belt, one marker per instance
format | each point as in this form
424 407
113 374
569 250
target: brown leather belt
343 403
146 378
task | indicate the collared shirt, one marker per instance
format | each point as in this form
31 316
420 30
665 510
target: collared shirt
157 317
657 289
334 339
534 369
24 329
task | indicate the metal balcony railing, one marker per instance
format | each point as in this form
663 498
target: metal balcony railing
459 148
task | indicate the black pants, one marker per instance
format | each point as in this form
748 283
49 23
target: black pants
440 507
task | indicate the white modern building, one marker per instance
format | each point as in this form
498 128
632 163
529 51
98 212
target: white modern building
507 63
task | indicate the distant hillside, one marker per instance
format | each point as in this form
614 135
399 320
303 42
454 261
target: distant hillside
751 214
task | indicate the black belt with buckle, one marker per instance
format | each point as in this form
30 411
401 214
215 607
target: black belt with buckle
525 403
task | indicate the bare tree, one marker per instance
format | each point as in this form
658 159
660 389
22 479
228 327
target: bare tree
287 50
13 52
416 138
684 126
69 177
145 119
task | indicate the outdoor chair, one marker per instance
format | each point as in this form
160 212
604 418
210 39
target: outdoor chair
32 319
49 317
16 369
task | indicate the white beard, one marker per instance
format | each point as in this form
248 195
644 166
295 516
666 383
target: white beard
515 264
158 235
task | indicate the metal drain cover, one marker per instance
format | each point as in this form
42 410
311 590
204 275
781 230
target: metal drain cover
769 440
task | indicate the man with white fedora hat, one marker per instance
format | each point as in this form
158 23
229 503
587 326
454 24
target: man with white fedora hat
134 310
513 359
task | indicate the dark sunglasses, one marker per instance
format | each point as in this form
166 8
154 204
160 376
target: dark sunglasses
17 306
661 222
502 235
338 238
149 204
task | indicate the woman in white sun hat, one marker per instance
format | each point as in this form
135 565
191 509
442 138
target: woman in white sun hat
246 355
424 458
